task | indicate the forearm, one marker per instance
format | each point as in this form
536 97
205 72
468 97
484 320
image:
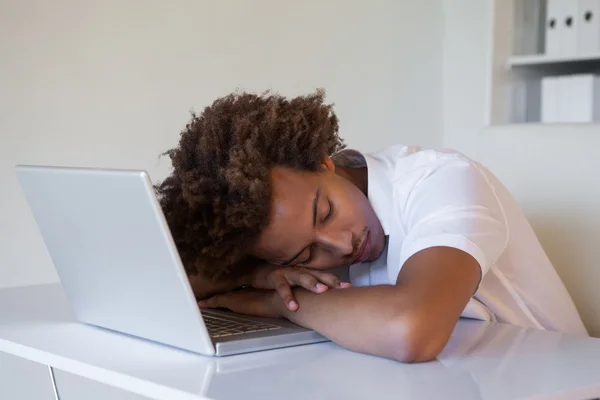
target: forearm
367 319
204 288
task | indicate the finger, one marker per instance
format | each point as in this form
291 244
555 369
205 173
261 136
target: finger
309 282
327 278
211 302
330 279
285 292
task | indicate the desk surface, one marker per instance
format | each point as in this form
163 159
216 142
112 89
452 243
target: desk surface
482 361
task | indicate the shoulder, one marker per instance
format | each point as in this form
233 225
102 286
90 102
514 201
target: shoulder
445 178
411 171
394 153
355 158
406 158
414 165
445 199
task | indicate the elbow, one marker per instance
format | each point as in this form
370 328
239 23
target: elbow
413 340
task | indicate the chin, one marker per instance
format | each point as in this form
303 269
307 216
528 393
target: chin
380 247
378 256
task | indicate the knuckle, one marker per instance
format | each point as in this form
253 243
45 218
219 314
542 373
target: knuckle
278 278
328 277
334 283
310 280
282 287
278 273
293 275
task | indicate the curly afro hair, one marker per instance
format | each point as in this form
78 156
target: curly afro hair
217 199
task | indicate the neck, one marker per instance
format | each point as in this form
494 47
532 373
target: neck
358 176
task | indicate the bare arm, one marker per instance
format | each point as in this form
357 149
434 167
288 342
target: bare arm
204 288
268 276
410 321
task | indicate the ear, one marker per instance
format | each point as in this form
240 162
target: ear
328 164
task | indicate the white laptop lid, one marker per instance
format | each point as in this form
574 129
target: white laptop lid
114 254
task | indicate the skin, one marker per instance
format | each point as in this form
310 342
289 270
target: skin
332 218
410 321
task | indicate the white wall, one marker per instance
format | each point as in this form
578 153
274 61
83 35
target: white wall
551 170
110 83
465 72
553 173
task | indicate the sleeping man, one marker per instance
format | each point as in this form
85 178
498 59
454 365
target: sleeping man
264 196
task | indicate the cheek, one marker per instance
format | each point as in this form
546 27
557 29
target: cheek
328 262
359 210
324 267
324 260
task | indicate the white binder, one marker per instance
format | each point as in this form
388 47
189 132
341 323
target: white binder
562 28
551 99
589 27
569 34
554 28
580 98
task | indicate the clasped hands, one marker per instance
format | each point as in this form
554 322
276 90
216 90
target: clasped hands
271 293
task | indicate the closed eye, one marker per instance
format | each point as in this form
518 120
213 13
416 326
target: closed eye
310 256
330 212
308 260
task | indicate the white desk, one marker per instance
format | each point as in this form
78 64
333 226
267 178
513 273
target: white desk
482 361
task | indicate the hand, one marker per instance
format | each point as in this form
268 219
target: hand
204 288
259 303
282 279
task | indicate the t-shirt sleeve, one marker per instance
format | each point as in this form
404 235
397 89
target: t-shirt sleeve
451 203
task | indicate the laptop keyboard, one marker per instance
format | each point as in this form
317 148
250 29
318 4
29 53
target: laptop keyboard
220 327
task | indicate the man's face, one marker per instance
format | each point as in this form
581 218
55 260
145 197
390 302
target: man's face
319 220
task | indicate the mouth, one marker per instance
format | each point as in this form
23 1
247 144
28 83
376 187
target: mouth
364 250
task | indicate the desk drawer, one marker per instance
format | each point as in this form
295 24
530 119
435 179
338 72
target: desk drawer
74 387
22 379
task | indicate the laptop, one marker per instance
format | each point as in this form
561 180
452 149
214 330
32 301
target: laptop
120 270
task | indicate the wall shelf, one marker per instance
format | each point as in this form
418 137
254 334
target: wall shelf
535 60
528 59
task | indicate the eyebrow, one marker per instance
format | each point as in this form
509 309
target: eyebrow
315 206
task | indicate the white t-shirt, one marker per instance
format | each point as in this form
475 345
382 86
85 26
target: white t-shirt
427 198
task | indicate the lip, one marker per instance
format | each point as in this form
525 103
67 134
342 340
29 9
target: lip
365 249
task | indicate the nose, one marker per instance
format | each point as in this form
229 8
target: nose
339 243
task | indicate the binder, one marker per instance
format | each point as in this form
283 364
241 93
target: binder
550 99
569 37
562 28
554 28
589 27
580 98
